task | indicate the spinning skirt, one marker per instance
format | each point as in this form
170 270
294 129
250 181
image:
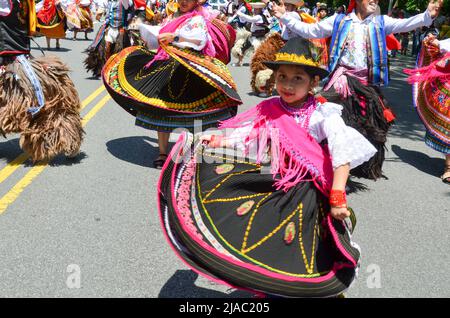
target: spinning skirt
187 90
55 29
227 222
432 102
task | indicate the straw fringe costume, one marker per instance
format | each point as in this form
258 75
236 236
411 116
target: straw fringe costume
180 83
358 66
37 98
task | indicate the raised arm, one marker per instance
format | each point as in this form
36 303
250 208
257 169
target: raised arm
405 25
248 18
317 30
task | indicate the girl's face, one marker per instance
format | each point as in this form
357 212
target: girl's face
322 14
293 84
187 5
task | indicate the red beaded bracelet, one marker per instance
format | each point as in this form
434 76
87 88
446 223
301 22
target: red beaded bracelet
338 198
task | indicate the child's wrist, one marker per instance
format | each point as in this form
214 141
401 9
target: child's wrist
338 198
216 141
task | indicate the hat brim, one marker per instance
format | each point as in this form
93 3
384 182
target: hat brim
296 3
322 73
257 5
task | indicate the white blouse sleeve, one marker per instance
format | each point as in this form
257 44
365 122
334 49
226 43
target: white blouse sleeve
392 25
194 29
444 45
149 33
237 138
346 145
317 30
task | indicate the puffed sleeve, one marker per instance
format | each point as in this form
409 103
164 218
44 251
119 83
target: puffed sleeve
193 29
444 46
346 145
239 138
149 33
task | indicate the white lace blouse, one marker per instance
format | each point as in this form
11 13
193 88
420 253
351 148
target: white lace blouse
444 45
287 33
192 29
346 145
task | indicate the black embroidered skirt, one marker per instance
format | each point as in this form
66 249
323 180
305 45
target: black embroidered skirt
187 90
225 220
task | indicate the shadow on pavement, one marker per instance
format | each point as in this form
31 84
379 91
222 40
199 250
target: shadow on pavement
136 150
420 161
62 160
9 149
399 95
53 49
182 285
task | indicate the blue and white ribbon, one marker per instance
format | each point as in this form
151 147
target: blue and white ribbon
35 82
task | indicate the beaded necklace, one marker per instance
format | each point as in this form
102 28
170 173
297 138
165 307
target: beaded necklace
301 114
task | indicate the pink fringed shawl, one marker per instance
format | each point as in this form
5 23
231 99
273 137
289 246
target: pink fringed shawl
437 69
294 152
177 23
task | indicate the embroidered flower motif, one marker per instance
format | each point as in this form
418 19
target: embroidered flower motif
245 207
224 168
289 233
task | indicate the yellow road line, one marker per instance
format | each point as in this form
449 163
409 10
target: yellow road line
19 160
12 166
15 191
95 110
91 97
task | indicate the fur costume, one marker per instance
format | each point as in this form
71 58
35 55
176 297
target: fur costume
242 35
96 58
262 77
56 128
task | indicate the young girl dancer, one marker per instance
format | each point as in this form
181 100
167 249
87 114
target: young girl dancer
431 87
185 84
283 232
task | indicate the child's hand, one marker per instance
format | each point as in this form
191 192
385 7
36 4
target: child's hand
340 213
166 38
213 141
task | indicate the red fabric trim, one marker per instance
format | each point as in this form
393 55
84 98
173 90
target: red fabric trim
13 52
351 6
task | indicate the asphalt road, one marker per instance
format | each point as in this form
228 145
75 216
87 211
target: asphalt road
97 216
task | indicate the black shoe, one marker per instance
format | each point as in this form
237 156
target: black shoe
159 162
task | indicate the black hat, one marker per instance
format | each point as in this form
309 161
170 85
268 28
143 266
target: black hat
323 7
299 51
